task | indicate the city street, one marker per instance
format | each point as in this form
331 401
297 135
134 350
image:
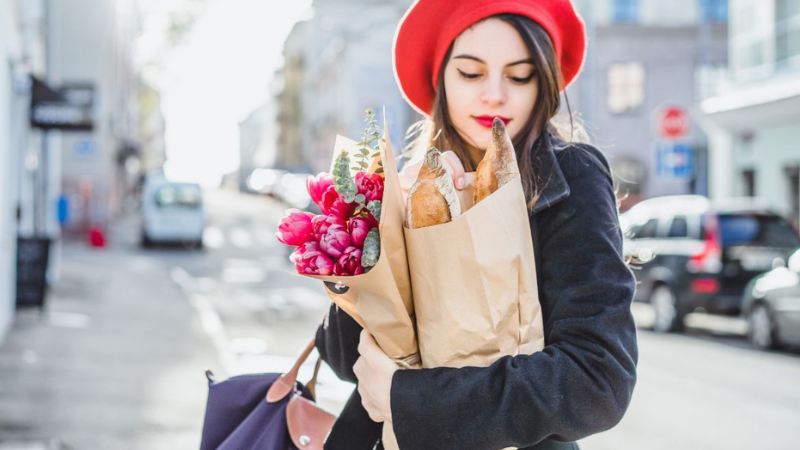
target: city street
117 361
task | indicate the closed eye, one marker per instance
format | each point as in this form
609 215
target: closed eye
469 76
520 80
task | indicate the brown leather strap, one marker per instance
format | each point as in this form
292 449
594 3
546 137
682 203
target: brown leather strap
312 385
284 385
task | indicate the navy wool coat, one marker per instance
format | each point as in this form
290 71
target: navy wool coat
580 384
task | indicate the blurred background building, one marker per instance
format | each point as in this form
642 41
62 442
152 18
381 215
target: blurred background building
753 118
91 44
72 52
337 64
21 55
648 59
257 142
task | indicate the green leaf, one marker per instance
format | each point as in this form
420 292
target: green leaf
360 198
374 207
372 249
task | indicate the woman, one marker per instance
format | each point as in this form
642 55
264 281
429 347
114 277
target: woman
462 64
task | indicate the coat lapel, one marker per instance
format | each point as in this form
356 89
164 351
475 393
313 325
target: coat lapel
552 184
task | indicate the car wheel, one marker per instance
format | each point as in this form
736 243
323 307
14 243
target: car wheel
761 330
665 307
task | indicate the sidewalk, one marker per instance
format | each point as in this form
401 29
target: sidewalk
115 362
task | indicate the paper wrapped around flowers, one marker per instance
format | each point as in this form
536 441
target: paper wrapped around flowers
379 299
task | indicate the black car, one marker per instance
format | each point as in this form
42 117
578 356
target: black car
691 254
771 305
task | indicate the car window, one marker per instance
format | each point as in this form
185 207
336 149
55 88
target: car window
178 197
757 229
679 228
648 230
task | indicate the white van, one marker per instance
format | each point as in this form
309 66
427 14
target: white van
172 212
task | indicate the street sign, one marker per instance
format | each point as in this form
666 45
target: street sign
673 122
674 160
70 107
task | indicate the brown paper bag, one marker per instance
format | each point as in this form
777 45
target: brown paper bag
474 283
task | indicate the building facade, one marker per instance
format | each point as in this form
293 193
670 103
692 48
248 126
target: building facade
22 55
753 119
91 44
337 64
644 57
257 142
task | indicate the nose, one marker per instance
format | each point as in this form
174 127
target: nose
494 92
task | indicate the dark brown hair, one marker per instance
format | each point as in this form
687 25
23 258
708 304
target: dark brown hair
439 131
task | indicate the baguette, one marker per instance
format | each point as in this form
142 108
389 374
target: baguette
499 164
432 198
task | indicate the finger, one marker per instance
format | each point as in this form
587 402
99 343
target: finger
367 347
455 168
469 179
358 368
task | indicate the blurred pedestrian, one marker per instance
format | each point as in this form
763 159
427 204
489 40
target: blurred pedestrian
462 64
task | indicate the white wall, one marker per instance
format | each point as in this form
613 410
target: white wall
8 50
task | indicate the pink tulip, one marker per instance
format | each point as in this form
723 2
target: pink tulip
309 259
335 241
349 263
317 185
333 204
295 228
359 227
371 185
320 224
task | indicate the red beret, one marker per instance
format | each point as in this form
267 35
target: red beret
429 27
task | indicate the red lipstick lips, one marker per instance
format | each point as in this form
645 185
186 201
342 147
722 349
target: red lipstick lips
486 121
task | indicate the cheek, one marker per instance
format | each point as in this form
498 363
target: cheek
458 93
523 102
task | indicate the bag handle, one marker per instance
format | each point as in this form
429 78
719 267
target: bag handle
284 385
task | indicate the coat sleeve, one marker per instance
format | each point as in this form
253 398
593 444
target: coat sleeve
581 383
337 342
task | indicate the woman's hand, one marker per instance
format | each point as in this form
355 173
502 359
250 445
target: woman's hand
374 371
451 163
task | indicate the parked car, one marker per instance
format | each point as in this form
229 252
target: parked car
695 255
771 305
172 213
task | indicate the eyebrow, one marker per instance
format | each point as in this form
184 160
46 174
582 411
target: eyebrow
475 58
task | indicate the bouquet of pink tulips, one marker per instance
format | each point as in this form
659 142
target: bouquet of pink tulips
345 239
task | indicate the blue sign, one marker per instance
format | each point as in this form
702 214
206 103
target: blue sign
63 209
674 160
85 149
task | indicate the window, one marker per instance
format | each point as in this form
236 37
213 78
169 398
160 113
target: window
648 230
625 87
178 197
762 230
787 29
679 227
626 11
749 182
793 184
714 10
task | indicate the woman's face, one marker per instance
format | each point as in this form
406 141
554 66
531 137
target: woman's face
490 74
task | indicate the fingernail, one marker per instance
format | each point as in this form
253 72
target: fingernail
460 183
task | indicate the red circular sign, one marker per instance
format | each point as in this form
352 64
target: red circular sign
673 122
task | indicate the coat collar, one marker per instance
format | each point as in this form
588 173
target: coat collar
555 187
